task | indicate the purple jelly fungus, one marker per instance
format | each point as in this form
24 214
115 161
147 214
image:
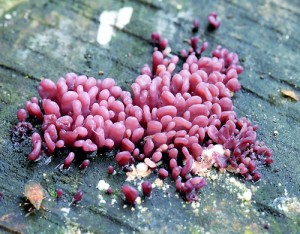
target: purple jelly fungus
163 43
155 36
21 115
110 170
195 25
163 173
194 42
213 20
59 193
68 160
146 188
130 194
171 115
109 191
84 164
77 197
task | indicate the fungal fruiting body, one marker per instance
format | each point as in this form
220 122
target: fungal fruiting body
59 193
213 20
185 118
195 25
77 197
110 170
130 194
146 188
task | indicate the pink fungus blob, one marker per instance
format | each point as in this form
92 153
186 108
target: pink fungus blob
190 188
195 25
146 188
109 191
68 160
21 115
163 173
110 170
124 158
84 164
176 114
130 194
36 147
213 20
77 197
59 193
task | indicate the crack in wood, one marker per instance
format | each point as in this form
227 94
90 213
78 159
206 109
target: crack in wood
270 210
254 93
286 82
113 219
148 4
9 229
14 70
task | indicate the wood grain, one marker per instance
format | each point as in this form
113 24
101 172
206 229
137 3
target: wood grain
50 38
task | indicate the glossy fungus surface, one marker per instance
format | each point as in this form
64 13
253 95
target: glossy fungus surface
130 194
146 188
77 197
59 193
179 115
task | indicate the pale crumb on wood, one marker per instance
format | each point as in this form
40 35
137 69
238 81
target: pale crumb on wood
289 93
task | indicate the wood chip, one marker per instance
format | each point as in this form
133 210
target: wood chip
289 93
140 171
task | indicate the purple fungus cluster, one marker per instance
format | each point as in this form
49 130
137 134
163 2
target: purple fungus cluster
21 131
159 42
194 48
174 117
190 188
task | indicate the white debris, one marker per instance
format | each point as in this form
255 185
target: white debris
113 201
159 183
246 196
289 205
216 148
101 199
65 210
109 19
102 185
7 16
138 200
140 171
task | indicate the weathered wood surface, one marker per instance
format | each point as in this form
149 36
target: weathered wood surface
50 38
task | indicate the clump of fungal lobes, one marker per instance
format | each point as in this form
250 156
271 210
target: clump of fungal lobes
185 118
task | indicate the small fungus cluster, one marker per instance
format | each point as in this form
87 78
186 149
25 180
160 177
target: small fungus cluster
177 114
